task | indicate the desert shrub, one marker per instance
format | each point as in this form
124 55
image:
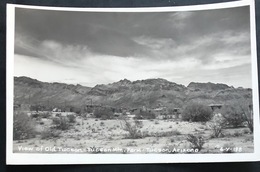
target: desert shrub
246 131
247 109
216 131
64 124
237 133
35 115
86 110
196 142
50 133
233 115
58 114
61 123
23 126
71 118
77 110
56 120
37 108
132 143
196 112
46 114
250 123
104 113
170 133
217 125
239 113
83 115
132 129
102 123
176 132
138 123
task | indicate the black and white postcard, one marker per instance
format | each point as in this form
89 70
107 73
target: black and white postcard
132 85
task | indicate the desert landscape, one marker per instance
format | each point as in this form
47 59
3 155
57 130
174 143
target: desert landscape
195 127
94 135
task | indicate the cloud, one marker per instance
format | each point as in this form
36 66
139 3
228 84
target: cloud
98 47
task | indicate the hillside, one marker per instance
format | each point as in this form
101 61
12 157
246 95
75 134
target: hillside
124 93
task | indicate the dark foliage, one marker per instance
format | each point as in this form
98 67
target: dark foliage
23 126
196 112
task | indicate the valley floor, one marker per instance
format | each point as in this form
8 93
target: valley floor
108 136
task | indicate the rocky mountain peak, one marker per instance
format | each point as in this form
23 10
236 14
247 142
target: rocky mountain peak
207 86
122 82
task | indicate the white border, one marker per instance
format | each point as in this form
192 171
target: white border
23 158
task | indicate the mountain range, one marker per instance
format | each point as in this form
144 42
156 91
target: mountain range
125 93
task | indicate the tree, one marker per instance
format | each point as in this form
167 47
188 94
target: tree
217 124
239 112
23 126
196 112
233 115
132 128
196 142
247 109
104 113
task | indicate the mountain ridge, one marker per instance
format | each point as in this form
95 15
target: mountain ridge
124 93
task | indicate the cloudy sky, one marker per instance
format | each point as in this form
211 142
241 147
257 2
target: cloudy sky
92 48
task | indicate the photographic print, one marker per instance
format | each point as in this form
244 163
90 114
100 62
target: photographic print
156 83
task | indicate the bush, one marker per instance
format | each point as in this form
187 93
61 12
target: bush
132 129
49 133
217 124
45 114
35 115
237 134
176 132
61 123
216 130
197 113
196 142
56 120
132 143
233 115
239 113
64 124
139 124
37 108
71 118
23 126
76 110
104 113
246 131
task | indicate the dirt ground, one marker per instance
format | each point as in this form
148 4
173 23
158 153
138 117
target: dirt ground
108 136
